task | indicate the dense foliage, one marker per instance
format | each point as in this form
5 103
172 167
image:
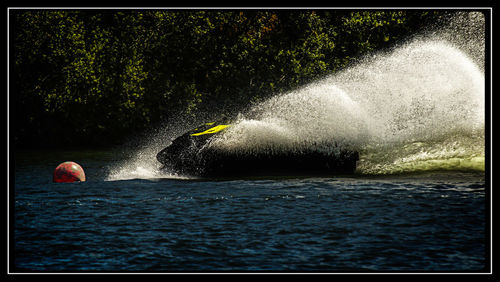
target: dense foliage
94 77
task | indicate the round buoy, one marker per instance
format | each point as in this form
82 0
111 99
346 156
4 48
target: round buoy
69 172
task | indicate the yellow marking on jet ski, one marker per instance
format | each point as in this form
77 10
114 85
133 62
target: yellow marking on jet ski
208 123
212 130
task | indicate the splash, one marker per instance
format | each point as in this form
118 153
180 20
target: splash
418 107
138 166
140 163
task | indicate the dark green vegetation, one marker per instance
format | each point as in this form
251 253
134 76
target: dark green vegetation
96 77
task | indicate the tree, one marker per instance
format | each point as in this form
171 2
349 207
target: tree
94 77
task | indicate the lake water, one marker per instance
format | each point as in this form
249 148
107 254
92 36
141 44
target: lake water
415 222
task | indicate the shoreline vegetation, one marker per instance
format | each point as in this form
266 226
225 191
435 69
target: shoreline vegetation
96 78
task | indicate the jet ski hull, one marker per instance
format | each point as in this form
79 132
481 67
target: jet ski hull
190 155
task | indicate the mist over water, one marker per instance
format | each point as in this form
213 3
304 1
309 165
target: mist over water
418 107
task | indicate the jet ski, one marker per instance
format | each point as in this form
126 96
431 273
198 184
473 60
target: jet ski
190 154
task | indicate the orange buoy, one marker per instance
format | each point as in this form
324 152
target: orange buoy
68 172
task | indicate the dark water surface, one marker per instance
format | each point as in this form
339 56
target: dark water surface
434 222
